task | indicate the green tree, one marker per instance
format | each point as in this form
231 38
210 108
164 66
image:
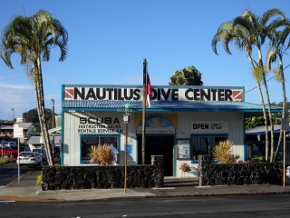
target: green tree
249 31
254 121
32 117
186 76
32 38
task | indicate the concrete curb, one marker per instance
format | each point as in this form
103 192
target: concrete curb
27 191
216 194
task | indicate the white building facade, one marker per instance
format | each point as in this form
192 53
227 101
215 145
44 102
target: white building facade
181 123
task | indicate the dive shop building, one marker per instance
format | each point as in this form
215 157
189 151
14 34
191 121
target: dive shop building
182 122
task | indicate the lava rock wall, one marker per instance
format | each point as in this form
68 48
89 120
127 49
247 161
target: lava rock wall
239 173
103 177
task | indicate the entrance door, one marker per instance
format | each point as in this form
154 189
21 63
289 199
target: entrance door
158 145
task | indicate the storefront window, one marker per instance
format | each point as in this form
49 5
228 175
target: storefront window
88 140
204 144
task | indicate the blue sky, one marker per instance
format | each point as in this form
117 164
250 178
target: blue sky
109 39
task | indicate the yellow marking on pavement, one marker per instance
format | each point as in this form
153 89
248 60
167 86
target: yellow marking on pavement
16 198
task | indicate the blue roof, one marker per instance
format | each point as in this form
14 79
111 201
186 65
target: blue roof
190 106
260 130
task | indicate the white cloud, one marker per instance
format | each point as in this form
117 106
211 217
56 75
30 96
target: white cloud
20 97
15 86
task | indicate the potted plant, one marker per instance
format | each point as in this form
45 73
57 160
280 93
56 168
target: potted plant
185 168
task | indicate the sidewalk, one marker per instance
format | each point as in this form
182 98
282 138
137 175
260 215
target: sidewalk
27 190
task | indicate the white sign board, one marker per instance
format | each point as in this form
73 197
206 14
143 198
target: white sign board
164 93
209 127
17 131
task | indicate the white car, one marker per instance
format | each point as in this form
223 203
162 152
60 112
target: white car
28 158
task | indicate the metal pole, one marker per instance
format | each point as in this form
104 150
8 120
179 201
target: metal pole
52 126
12 114
2 148
53 120
144 110
18 165
284 158
126 145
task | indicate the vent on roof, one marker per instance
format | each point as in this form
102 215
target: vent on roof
20 120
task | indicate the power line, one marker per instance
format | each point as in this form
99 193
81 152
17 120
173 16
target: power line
257 86
267 80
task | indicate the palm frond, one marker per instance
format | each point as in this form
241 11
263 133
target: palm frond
276 24
270 14
271 57
278 74
284 35
226 26
242 21
258 73
227 39
223 32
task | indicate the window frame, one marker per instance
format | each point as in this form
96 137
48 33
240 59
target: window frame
84 161
193 155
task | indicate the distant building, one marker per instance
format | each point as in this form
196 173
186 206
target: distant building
7 131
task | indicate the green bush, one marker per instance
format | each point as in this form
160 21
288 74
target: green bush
39 179
278 157
223 152
4 160
257 159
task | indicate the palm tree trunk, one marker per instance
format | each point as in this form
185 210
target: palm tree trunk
260 62
264 111
284 109
270 117
38 84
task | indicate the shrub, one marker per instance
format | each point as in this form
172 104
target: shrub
4 160
101 154
223 152
278 157
39 179
257 159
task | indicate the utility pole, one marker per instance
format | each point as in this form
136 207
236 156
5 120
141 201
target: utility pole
53 120
53 126
144 110
126 120
12 114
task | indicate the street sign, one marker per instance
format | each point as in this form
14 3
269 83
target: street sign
128 110
126 118
17 131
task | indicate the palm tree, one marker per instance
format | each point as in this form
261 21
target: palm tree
32 38
278 47
186 76
249 31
